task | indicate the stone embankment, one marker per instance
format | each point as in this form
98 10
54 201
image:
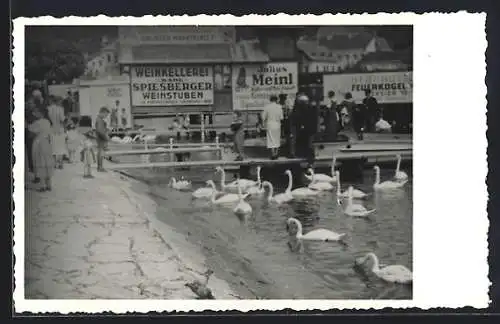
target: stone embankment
92 239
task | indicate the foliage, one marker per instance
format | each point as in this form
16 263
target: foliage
55 60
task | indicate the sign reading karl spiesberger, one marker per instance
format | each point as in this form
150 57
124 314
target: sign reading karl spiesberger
172 85
386 87
254 84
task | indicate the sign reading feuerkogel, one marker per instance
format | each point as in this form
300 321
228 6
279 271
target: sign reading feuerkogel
172 85
253 85
386 87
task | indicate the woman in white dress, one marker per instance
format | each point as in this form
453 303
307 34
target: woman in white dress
58 138
272 115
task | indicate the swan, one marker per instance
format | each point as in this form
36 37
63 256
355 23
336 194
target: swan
180 185
319 185
229 186
355 210
242 208
356 193
321 177
116 139
281 197
386 184
226 198
127 139
205 192
302 191
257 189
319 234
399 175
392 273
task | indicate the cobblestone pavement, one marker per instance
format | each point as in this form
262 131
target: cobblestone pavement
88 239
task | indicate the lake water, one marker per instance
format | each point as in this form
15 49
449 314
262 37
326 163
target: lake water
252 254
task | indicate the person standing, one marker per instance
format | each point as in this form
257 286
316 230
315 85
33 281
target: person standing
41 151
331 117
238 136
102 136
272 115
57 118
358 118
68 104
290 126
306 121
372 109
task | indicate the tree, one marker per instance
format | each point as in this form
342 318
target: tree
57 60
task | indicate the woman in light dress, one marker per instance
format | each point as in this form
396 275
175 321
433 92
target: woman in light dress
272 115
43 161
56 116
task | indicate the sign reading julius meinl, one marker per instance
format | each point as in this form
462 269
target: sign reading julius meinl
254 84
172 85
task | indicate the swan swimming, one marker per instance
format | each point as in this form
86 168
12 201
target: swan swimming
355 210
244 183
205 192
281 197
258 189
356 193
226 198
386 184
226 186
392 273
242 208
319 185
319 234
180 185
398 174
301 192
321 177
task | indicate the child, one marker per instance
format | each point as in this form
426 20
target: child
239 135
87 155
72 141
102 136
43 161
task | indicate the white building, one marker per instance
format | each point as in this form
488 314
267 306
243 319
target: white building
103 63
334 49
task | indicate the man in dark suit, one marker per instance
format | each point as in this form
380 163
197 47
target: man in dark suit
305 117
372 109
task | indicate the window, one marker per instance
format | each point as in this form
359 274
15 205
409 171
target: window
223 77
330 54
109 57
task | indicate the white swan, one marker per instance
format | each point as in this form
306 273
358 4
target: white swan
242 208
180 185
302 191
392 273
205 192
281 197
258 189
398 174
319 234
226 186
386 184
355 210
356 193
228 198
319 185
321 177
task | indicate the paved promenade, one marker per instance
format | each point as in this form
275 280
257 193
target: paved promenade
89 239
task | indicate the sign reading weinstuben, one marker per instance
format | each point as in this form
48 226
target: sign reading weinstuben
172 85
386 87
254 84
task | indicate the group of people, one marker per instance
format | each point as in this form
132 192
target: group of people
51 136
298 121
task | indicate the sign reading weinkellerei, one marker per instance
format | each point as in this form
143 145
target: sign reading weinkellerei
386 87
172 85
253 85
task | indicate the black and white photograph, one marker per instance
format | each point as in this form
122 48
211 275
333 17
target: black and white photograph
219 162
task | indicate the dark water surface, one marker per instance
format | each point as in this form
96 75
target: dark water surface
253 255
